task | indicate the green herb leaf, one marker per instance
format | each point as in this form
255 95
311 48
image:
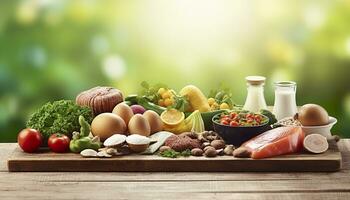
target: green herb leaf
59 117
174 154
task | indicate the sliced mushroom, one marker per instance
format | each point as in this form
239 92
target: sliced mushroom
114 140
88 153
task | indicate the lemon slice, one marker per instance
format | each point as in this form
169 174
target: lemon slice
172 117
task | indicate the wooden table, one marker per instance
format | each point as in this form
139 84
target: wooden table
91 185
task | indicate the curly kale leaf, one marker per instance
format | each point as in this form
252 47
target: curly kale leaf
59 117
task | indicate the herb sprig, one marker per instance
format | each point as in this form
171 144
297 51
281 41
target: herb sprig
170 153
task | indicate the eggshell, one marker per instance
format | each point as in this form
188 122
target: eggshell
154 121
139 125
124 111
107 124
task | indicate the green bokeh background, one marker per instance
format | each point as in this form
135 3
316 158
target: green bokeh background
51 50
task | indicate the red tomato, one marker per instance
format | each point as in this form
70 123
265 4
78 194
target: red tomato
257 117
233 115
58 143
225 122
29 140
234 124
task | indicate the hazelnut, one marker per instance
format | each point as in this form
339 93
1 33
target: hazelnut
218 144
242 152
229 150
205 148
210 152
205 144
202 138
197 152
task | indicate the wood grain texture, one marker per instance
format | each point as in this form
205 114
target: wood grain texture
175 185
70 162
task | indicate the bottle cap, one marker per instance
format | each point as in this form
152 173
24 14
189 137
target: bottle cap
255 80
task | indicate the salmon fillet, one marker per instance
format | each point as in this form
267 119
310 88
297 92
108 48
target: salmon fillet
278 141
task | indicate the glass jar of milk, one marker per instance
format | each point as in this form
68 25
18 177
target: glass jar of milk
255 98
285 103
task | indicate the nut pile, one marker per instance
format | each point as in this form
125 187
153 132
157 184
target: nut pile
290 121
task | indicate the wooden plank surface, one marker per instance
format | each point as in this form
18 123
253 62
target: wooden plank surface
156 185
49 161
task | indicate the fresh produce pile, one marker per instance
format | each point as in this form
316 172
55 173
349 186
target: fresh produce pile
161 121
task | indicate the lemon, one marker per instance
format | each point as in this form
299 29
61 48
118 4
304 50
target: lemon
172 117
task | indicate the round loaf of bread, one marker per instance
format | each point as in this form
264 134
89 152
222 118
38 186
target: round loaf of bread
100 99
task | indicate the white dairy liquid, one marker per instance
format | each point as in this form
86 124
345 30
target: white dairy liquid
285 104
255 99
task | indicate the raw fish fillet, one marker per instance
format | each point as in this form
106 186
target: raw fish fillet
278 141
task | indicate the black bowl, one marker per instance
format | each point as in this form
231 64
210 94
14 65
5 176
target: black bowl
238 135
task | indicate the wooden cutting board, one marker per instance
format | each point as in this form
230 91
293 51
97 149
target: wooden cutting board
69 162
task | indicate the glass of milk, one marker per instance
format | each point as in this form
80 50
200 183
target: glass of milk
285 103
255 97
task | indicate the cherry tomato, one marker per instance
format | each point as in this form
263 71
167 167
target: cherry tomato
29 140
234 124
233 115
257 117
249 121
58 143
225 122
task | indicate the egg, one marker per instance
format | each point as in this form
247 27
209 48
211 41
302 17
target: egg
154 121
124 111
107 124
138 124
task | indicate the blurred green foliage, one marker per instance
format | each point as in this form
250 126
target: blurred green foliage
51 50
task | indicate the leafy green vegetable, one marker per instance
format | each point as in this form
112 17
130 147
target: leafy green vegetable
151 91
59 117
267 113
181 103
222 95
186 153
174 154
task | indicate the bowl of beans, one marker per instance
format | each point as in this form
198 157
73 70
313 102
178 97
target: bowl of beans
236 127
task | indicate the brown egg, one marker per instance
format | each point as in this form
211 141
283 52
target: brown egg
139 125
124 111
154 121
107 124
